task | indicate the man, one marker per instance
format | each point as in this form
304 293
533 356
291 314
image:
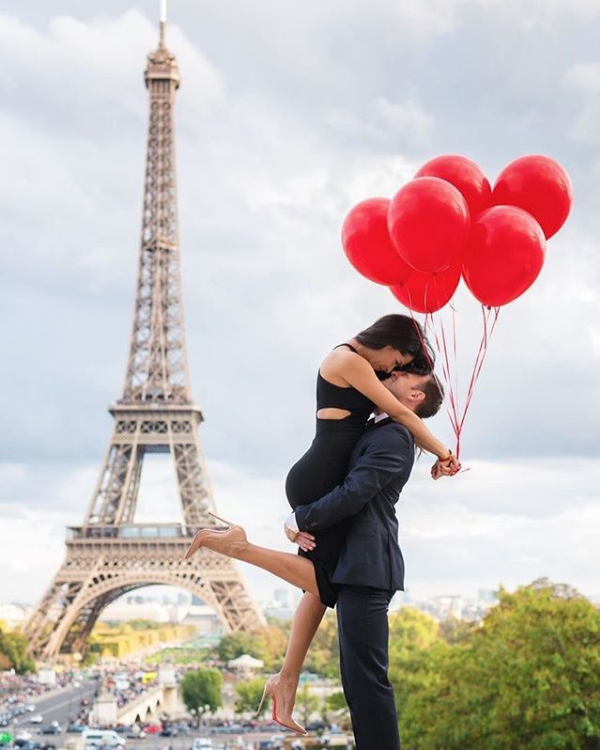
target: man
370 568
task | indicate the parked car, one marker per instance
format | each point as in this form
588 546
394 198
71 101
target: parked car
135 734
202 743
75 728
102 738
25 745
272 744
52 729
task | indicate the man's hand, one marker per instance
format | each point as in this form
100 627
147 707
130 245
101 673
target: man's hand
303 539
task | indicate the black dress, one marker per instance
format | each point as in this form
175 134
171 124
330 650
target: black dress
323 467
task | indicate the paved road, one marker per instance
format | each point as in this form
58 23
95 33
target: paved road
63 704
58 706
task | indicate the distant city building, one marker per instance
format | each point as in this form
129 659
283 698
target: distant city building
279 613
283 597
205 619
452 605
123 610
282 605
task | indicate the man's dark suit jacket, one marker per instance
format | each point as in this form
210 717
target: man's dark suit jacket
380 466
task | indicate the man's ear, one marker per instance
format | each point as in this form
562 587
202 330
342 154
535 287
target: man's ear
417 395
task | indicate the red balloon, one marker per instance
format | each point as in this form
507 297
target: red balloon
505 255
428 292
429 224
539 185
367 243
465 175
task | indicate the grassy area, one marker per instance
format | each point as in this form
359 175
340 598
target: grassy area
185 654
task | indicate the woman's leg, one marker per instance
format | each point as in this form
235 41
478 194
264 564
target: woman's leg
300 572
297 570
307 618
306 621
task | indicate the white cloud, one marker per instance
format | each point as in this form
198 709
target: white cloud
388 125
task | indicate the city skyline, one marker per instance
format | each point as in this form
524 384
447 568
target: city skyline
275 143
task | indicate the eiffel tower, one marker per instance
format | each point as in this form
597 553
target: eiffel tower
109 554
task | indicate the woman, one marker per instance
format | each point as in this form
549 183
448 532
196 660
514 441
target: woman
348 390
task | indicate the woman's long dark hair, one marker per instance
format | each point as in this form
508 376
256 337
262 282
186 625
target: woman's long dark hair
404 334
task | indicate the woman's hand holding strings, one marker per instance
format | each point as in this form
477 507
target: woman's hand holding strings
445 467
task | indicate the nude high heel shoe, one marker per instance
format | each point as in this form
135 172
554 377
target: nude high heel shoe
219 540
275 688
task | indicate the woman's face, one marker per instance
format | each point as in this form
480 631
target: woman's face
384 360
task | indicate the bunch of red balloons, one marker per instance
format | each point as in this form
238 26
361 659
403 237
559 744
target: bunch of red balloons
448 222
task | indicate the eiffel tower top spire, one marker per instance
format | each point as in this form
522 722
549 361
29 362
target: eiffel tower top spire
163 22
157 370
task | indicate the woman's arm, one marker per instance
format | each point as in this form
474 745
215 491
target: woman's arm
358 373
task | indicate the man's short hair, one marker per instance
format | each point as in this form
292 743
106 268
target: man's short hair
434 397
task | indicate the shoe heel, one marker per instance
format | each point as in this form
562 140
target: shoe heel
262 700
214 515
195 545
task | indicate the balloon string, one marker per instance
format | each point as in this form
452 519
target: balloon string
428 324
487 314
433 324
456 415
454 329
452 408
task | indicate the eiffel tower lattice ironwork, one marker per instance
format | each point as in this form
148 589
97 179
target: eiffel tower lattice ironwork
110 555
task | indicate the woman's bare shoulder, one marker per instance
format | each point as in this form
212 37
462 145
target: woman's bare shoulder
340 361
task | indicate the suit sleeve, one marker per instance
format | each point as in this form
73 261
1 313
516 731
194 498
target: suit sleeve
386 456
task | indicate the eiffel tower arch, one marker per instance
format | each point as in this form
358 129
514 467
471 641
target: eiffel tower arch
109 554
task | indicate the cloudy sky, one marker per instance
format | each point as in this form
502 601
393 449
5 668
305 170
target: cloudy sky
287 115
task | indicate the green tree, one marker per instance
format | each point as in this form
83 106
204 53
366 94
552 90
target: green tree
275 639
336 703
323 657
233 645
249 695
13 648
412 629
200 688
412 634
527 678
453 630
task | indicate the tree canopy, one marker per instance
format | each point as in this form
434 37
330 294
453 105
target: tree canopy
200 688
526 678
249 695
13 652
